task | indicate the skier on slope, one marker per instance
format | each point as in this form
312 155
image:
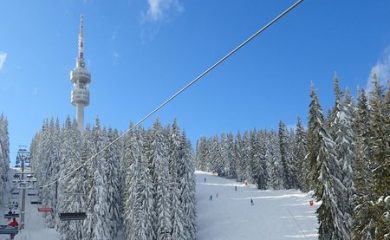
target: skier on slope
252 203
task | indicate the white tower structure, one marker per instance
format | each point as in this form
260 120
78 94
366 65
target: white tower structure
81 79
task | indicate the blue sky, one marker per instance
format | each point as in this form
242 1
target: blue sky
141 51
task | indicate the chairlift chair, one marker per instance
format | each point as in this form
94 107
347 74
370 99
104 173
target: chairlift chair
24 185
33 193
12 215
5 229
72 216
36 202
45 210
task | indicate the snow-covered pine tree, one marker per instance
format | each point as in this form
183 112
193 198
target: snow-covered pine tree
143 228
48 156
327 188
216 161
384 169
380 157
177 214
158 154
283 147
338 94
300 150
224 150
201 154
362 177
246 156
97 221
112 156
253 156
54 159
259 160
291 160
344 138
132 152
315 119
68 200
231 156
238 153
274 164
263 158
187 188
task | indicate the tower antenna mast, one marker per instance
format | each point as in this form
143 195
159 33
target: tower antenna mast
81 79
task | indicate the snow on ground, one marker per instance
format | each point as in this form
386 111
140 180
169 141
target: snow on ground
35 228
276 215
283 214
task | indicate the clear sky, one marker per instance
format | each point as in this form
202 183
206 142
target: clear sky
141 51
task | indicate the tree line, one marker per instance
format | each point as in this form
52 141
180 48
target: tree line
265 157
343 158
141 186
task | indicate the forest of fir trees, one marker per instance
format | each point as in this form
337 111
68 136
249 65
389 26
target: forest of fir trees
4 157
140 187
143 186
267 158
343 158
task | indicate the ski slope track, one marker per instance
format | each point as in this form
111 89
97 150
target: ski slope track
275 215
35 227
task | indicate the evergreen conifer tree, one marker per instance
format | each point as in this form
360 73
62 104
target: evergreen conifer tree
328 186
300 150
362 180
315 119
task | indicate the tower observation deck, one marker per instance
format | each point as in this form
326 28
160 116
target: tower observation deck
81 79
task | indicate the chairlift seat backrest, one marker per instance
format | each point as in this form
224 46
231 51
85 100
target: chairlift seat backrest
73 216
36 202
12 215
4 229
45 209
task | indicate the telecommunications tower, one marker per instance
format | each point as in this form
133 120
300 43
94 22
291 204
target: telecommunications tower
81 79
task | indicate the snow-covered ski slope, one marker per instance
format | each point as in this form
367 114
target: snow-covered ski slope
275 215
284 214
35 227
